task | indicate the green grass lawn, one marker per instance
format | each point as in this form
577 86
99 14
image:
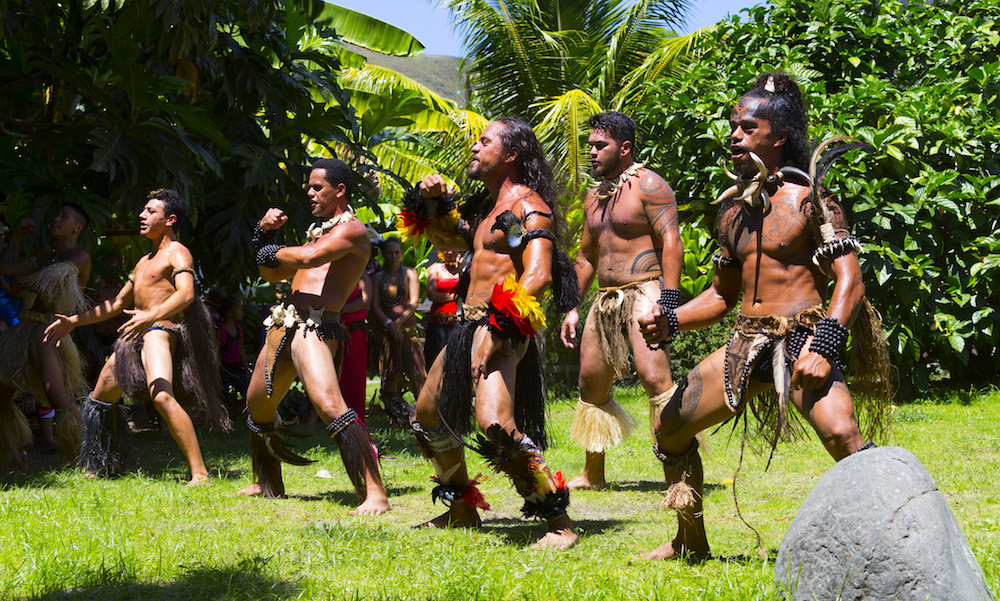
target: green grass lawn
148 537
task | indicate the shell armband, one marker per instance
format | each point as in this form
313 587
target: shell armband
836 248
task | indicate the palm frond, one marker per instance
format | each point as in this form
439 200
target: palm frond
563 128
361 30
668 59
511 57
375 79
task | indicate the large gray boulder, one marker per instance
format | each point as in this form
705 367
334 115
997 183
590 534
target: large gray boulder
877 528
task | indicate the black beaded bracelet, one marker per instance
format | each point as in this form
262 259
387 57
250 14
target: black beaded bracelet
675 325
337 426
267 255
256 428
670 298
262 237
829 340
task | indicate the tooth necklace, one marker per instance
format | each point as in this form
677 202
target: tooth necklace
317 229
606 188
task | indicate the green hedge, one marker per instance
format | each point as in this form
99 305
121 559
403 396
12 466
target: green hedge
920 84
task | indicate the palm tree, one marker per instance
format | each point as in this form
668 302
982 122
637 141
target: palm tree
403 130
558 62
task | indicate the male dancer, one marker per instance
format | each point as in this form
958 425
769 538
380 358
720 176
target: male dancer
47 283
169 333
630 241
780 242
492 353
305 336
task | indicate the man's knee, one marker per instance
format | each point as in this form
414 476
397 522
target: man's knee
592 392
667 419
163 399
485 419
841 433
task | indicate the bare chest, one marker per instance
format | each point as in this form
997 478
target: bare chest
153 272
782 234
492 237
622 218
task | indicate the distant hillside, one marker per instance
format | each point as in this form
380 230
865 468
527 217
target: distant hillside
439 73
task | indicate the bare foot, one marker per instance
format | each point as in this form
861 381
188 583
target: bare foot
200 480
460 515
372 506
559 538
582 482
254 490
666 552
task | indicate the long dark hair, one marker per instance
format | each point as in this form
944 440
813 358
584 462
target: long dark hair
534 170
785 110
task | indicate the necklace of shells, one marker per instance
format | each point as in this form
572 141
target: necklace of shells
607 188
317 229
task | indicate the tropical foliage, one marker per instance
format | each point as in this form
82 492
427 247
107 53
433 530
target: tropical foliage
556 63
225 101
918 81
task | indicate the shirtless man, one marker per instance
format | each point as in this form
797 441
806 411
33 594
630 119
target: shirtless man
47 283
769 243
492 352
305 337
630 242
168 332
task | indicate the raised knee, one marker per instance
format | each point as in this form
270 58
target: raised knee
841 437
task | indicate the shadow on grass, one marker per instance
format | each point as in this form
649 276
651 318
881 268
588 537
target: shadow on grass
248 579
746 560
656 486
48 476
527 532
347 498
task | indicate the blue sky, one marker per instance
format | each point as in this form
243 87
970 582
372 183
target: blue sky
430 25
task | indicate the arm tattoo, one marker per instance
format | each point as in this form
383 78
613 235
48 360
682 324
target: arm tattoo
837 217
660 205
646 261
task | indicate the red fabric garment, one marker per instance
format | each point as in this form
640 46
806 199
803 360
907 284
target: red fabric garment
353 371
445 286
356 315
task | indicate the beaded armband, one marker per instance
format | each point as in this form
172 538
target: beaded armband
720 261
512 312
267 255
670 298
261 429
337 426
262 237
829 340
836 248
